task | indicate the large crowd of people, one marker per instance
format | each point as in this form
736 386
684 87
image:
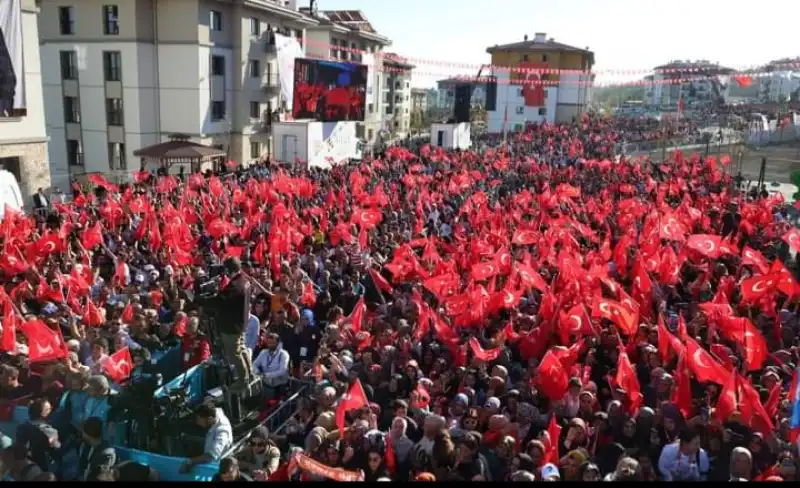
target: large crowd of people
541 310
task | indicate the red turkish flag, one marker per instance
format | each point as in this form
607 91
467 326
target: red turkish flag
486 355
671 229
354 399
749 337
92 236
757 286
751 257
119 365
627 380
703 365
44 343
705 244
8 341
11 263
682 394
380 282
484 271
309 297
624 317
552 379
92 315
554 438
356 317
793 239
575 322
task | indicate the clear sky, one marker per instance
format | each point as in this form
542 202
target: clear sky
624 34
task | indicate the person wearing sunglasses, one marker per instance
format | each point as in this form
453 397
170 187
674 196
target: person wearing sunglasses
260 453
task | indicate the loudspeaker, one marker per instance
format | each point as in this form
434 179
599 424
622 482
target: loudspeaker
491 94
461 108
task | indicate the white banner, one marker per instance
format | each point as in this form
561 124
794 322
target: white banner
12 76
368 60
287 49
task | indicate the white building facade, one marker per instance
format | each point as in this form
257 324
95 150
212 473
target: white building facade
23 135
779 87
126 75
562 102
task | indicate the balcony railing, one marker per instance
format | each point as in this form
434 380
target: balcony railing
270 82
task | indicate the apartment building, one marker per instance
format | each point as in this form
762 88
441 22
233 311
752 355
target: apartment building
698 83
446 92
779 81
396 96
419 100
347 35
23 136
538 80
127 74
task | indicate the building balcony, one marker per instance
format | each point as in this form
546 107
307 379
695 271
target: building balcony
264 124
270 83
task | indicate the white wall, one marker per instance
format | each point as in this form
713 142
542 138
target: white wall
454 136
573 89
138 102
511 95
32 126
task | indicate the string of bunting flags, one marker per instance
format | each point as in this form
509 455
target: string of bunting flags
742 80
780 66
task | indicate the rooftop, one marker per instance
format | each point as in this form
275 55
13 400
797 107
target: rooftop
702 64
540 42
353 20
397 60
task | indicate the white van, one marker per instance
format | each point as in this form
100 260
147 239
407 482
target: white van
10 193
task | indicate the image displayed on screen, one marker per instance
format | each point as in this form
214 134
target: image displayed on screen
12 96
329 91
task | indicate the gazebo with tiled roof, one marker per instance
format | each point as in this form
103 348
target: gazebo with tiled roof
179 150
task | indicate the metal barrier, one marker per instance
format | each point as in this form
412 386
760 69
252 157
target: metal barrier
277 420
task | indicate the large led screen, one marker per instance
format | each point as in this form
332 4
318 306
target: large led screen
329 91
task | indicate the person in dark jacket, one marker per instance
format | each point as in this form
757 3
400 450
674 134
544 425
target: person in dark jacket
39 437
232 318
94 455
229 471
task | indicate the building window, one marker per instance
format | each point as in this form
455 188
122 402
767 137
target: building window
215 22
254 110
69 65
74 153
371 107
72 110
111 20
369 134
217 110
112 65
253 68
217 65
524 57
255 150
519 110
66 20
545 76
542 111
116 156
114 111
544 58
255 27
